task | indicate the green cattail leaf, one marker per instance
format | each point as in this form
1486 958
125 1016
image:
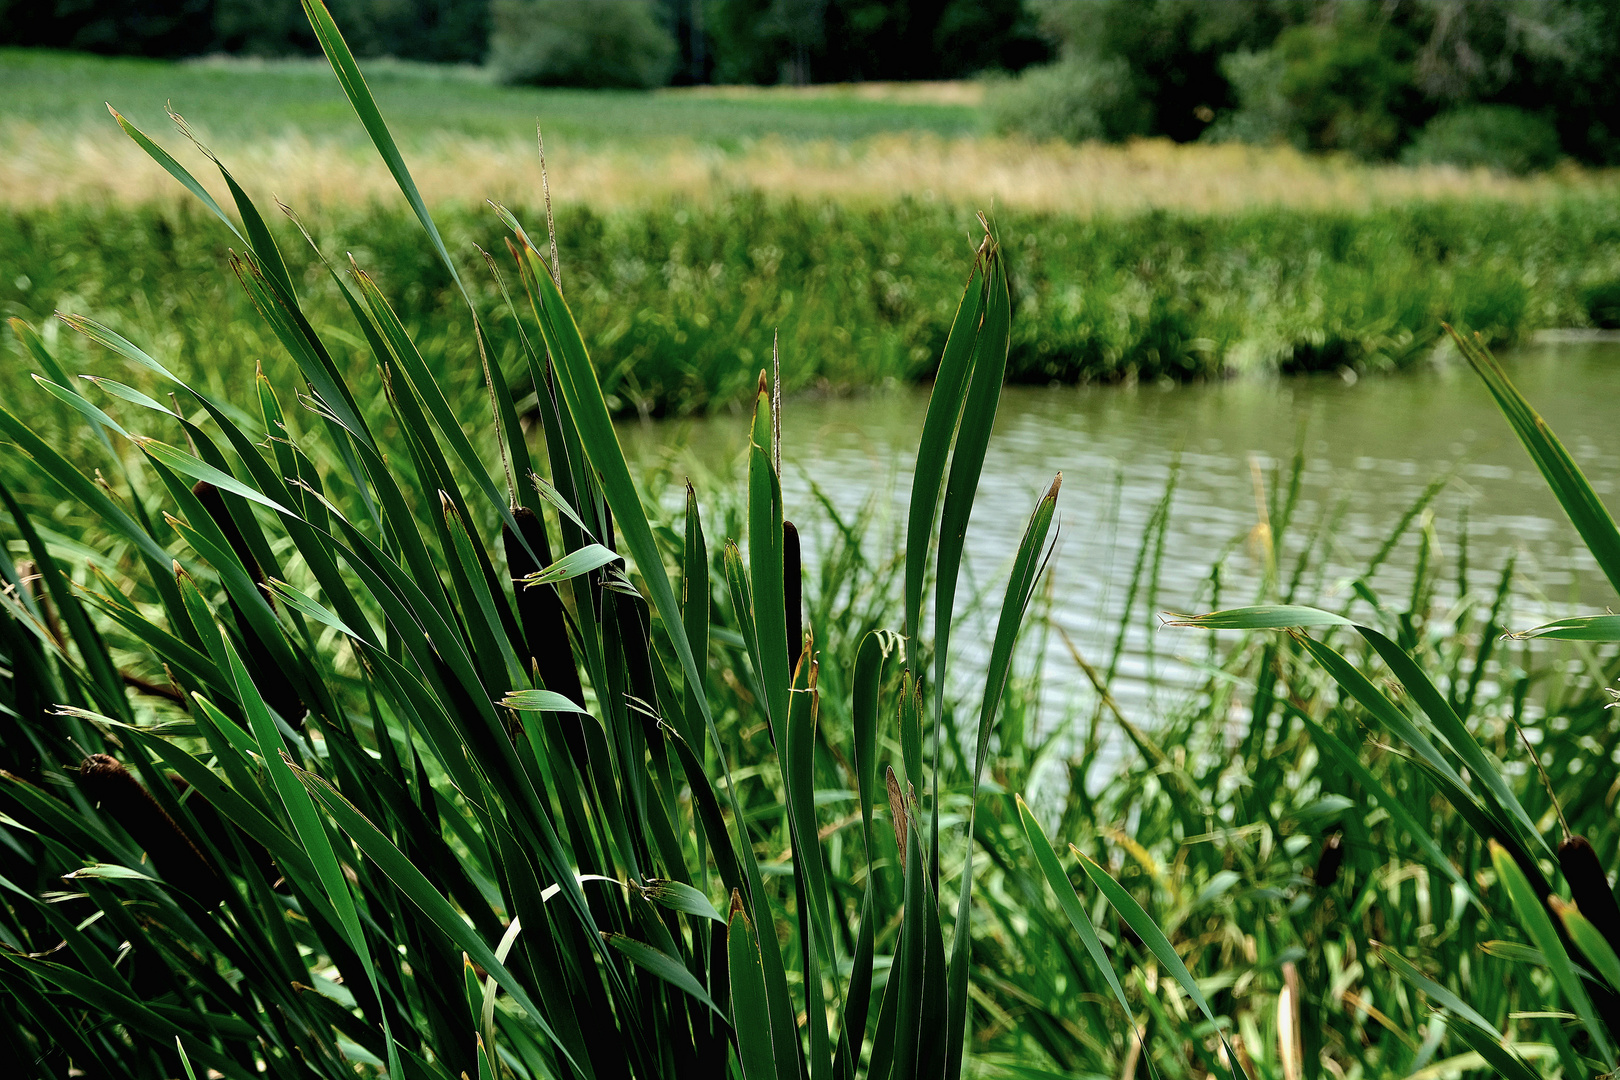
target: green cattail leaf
679 896
1569 485
541 701
421 892
765 568
97 418
575 564
176 170
664 966
1027 566
187 465
1058 881
1398 811
874 649
750 1019
1408 971
1534 919
1272 617
1581 628
1507 1062
933 450
967 460
1497 794
1591 942
128 393
113 1002
365 106
695 602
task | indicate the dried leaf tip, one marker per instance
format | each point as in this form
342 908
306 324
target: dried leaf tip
897 813
736 906
764 383
1057 483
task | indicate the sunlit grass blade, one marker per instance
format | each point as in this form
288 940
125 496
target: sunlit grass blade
933 450
1578 628
1069 901
1159 945
1589 939
365 106
1273 617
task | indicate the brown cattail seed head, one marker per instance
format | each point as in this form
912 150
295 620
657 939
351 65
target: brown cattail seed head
793 592
1589 887
1332 857
104 779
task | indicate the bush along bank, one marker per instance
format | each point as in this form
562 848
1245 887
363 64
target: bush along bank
679 302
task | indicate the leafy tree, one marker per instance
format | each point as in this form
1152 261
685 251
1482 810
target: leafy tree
592 43
765 41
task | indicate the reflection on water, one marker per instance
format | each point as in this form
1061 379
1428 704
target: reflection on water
1370 449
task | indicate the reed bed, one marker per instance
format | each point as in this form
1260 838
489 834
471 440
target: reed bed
680 303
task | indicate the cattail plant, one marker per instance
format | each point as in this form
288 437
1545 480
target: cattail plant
104 780
473 807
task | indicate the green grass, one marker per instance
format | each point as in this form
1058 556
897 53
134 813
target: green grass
679 303
239 101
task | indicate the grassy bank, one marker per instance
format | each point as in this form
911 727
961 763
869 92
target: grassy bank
679 302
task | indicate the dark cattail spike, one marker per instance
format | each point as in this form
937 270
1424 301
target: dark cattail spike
214 503
793 592
274 685
1589 887
176 856
545 623
1329 862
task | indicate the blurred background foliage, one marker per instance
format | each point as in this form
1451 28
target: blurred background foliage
1507 84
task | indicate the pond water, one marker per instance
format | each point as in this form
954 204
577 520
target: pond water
1371 448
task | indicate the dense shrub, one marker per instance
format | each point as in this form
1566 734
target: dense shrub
1601 299
1353 75
1074 100
592 43
1496 137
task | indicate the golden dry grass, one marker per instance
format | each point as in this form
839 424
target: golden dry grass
42 166
946 92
